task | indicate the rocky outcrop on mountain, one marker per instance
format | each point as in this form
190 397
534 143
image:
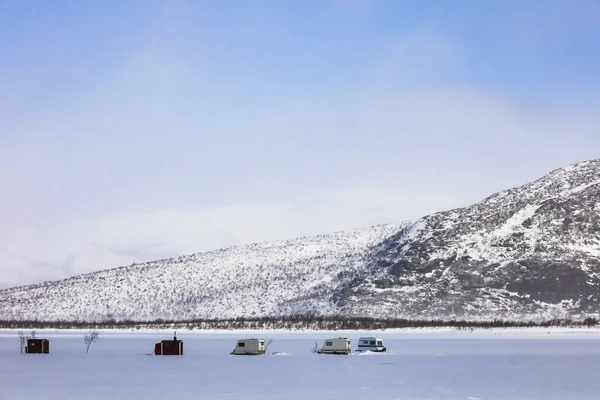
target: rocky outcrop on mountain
531 251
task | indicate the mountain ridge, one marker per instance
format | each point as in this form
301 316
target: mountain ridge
264 244
532 251
553 222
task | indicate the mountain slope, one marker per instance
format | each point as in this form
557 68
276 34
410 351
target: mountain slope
532 250
528 252
258 279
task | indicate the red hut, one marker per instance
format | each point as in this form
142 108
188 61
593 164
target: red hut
169 347
37 346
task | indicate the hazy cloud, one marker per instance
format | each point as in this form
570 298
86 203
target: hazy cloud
174 137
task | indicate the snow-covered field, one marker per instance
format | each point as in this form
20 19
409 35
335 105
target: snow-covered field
419 364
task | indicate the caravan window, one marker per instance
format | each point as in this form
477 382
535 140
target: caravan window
328 343
365 342
379 343
372 343
242 344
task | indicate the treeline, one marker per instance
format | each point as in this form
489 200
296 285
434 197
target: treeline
300 322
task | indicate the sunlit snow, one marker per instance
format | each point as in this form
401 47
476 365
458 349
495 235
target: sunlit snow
428 364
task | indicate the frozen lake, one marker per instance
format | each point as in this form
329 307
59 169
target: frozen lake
447 364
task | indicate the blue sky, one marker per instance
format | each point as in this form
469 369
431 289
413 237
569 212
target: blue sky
134 130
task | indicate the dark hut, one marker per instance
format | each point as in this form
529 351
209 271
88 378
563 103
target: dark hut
169 347
37 346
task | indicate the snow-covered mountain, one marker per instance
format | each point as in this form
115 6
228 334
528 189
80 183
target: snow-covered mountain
531 251
527 252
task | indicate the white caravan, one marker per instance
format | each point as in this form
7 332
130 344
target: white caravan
336 346
249 347
371 344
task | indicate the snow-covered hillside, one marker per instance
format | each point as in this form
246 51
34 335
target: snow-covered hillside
528 252
261 279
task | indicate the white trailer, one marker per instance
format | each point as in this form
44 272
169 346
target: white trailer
371 344
339 345
249 347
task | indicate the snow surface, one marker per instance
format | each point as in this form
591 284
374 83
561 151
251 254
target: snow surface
420 364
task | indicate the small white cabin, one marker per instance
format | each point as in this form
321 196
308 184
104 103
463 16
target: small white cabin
371 344
249 347
336 346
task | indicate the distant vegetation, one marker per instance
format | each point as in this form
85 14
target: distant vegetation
299 322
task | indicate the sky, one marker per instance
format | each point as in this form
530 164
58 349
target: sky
143 129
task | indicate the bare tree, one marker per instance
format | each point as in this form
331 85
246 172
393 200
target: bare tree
23 340
268 344
90 338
